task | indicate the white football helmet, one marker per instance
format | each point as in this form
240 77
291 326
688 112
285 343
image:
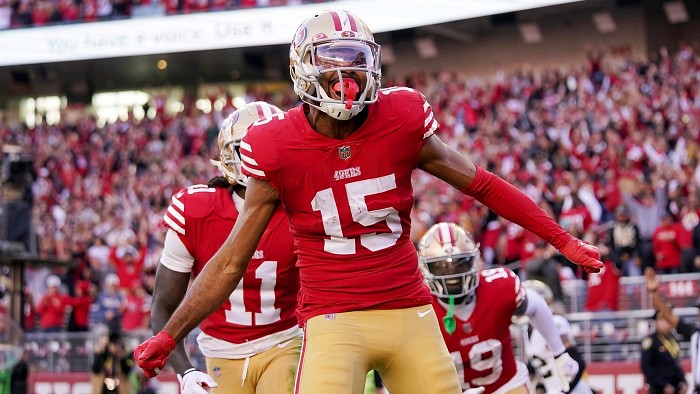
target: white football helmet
232 131
448 257
335 41
540 288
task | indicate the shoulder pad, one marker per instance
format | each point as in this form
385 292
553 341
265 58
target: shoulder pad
194 202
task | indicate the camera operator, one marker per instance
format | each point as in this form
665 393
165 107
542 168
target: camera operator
112 366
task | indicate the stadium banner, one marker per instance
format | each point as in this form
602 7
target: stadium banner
616 377
228 29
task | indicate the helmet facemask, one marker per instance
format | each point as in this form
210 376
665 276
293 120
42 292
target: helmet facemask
321 49
453 275
230 163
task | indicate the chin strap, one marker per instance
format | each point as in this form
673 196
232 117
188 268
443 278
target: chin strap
449 321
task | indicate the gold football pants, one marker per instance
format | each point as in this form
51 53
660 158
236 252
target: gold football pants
404 345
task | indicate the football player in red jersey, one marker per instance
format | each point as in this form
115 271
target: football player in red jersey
476 310
252 342
341 166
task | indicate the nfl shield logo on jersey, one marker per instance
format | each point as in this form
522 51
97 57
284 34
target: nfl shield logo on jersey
344 152
216 371
467 328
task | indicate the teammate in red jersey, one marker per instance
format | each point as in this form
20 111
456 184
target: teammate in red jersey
476 310
251 342
341 166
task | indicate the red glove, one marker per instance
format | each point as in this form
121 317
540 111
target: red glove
583 254
152 354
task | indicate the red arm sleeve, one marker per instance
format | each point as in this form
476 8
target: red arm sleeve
512 204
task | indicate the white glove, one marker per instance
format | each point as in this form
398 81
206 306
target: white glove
475 390
567 368
195 382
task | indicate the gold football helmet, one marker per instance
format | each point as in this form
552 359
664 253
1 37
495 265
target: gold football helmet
448 257
335 41
232 131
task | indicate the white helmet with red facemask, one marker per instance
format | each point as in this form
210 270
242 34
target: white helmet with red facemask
448 257
232 131
335 42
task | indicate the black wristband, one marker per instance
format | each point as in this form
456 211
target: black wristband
188 371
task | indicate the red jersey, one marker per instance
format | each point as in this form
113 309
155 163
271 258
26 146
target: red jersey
264 302
349 202
603 289
666 247
481 344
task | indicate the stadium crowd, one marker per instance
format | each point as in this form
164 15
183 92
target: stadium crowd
28 13
610 151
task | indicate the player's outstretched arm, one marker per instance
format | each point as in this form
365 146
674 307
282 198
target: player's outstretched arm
542 320
510 203
169 290
222 273
217 280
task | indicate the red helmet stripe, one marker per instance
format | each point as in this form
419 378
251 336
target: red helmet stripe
445 234
453 236
353 24
336 21
439 234
259 110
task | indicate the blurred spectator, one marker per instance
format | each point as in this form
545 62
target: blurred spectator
648 209
604 286
689 220
112 366
138 308
29 311
24 13
543 267
667 251
20 375
79 319
3 316
52 306
128 262
576 219
111 304
624 238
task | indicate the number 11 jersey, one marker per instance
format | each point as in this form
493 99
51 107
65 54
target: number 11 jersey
349 202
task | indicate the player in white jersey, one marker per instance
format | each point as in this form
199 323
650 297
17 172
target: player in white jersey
540 355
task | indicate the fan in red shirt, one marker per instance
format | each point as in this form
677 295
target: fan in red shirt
138 308
81 307
603 286
128 263
52 306
667 250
